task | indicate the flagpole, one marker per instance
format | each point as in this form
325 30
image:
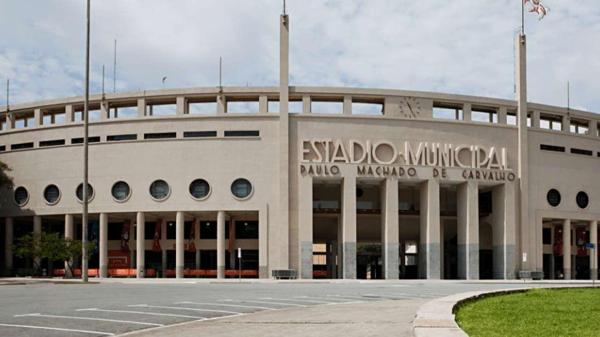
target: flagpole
84 216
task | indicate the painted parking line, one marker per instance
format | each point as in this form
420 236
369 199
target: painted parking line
353 297
296 300
226 305
269 302
183 308
90 332
90 319
338 300
141 313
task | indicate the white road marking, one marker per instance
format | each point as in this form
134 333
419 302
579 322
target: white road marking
226 305
339 300
352 297
296 300
141 313
267 302
182 308
90 319
58 329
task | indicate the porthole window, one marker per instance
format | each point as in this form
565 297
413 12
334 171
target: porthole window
21 196
79 192
582 200
199 189
241 188
52 194
553 197
120 191
160 190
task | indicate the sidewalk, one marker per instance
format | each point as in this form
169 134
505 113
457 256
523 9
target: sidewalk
385 318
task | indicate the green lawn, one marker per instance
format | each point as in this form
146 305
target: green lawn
538 313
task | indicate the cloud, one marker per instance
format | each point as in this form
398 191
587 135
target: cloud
460 46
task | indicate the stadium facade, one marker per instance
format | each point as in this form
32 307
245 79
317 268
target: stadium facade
328 182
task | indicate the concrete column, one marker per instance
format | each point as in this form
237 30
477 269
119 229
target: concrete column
535 119
504 220
567 249
593 128
37 233
69 114
38 118
163 245
263 242
196 225
306 102
305 224
141 107
349 227
594 252
390 229
69 235
104 111
10 121
103 245
263 104
182 107
179 243
221 104
347 105
502 115
468 230
231 243
8 242
429 245
566 124
221 244
140 244
467 112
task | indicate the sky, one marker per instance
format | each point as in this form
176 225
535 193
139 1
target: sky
458 46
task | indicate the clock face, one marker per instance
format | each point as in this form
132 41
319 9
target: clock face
410 107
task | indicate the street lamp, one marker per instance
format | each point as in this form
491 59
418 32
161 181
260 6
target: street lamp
84 216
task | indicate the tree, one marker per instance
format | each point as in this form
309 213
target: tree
51 246
5 179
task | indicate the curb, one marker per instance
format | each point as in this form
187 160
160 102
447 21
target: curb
436 318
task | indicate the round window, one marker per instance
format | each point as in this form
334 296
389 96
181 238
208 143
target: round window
21 196
79 192
553 197
159 190
582 200
241 188
199 189
51 194
120 191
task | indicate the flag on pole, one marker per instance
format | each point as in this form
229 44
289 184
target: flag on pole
536 6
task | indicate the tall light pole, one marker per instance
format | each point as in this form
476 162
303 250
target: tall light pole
84 216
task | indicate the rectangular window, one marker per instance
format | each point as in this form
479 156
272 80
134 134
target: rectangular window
446 112
552 148
242 107
21 146
2 148
204 108
242 133
208 230
582 152
199 134
246 229
125 112
324 107
484 115
511 119
114 231
118 138
368 109
56 142
161 110
547 236
160 135
79 140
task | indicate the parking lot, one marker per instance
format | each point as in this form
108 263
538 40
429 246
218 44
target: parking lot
109 309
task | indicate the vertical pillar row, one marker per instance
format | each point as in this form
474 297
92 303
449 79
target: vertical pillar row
390 230
468 231
140 244
305 223
349 227
567 249
103 245
179 226
221 244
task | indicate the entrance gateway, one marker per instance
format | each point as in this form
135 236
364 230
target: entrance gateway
407 210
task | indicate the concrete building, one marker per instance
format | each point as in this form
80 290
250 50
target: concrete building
330 182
